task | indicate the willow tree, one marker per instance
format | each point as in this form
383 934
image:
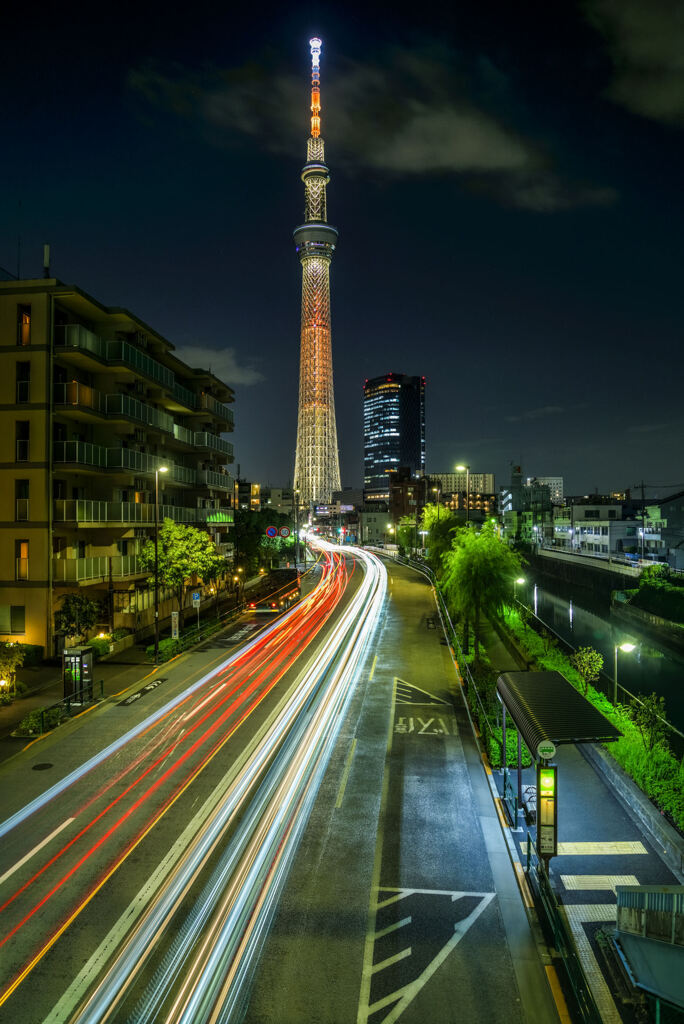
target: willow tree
477 578
440 524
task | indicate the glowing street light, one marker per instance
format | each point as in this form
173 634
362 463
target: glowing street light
627 648
519 582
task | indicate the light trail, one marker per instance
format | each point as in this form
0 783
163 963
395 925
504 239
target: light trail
282 641
274 793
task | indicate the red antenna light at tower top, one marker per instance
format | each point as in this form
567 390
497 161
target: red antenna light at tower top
315 45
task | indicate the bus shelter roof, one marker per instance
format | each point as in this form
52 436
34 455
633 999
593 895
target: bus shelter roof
545 706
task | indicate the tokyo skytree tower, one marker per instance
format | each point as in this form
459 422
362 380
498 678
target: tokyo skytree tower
317 467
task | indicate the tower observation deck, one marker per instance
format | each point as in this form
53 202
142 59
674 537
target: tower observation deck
317 467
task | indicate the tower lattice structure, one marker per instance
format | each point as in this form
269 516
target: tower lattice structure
317 467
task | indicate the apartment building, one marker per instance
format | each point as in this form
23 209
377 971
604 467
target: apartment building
92 404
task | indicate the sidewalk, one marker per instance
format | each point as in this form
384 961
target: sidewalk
599 847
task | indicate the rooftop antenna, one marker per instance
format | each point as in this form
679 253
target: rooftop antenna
46 261
315 45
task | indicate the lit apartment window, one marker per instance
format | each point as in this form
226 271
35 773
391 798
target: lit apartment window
12 618
22 436
23 325
23 382
21 501
21 557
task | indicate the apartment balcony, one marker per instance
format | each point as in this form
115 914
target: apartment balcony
183 434
79 396
184 396
21 568
127 355
137 462
211 478
133 409
82 453
121 512
77 570
213 443
213 516
183 475
218 409
80 339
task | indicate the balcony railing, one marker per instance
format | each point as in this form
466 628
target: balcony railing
183 475
82 452
203 439
184 395
183 434
76 336
90 511
128 458
23 391
79 395
21 510
73 570
217 409
132 408
213 479
21 568
22 451
122 352
214 515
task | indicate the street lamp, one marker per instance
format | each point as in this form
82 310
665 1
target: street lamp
160 469
627 648
466 470
438 492
520 580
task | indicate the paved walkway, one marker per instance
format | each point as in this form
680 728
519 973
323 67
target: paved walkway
599 847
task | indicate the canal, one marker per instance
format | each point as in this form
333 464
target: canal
583 618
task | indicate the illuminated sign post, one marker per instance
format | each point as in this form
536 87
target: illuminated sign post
547 810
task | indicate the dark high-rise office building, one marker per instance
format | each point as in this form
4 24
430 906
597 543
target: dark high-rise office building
393 430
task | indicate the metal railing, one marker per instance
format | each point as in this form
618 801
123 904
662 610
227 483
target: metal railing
21 568
184 395
216 408
82 452
213 479
21 510
203 439
23 392
183 434
72 510
562 939
22 450
74 570
134 409
79 337
63 708
123 352
80 395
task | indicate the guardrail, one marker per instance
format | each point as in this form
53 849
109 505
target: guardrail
562 939
63 708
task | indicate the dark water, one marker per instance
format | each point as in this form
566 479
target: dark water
583 618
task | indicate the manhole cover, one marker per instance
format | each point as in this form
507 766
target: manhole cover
42 766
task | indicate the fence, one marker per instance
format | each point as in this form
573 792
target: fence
53 715
562 939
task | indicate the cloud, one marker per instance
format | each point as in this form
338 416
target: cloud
223 362
418 112
535 414
645 41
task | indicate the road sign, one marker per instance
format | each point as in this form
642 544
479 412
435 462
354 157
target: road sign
271 531
284 531
546 749
174 626
195 599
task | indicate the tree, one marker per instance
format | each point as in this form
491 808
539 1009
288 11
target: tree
252 547
406 533
77 615
648 714
11 658
588 663
440 533
183 552
477 576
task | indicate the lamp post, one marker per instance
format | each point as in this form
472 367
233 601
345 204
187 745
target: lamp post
438 492
160 469
627 648
466 470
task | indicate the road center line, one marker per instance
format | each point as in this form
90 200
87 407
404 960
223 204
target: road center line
35 850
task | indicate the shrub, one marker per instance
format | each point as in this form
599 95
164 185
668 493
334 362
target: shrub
100 645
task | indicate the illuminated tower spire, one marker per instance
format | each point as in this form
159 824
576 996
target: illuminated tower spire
317 467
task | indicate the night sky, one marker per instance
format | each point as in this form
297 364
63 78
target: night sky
506 180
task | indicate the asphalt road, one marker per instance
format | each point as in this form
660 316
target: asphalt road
77 874
402 903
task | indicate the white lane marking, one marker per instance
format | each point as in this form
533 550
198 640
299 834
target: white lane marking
391 960
393 927
35 850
